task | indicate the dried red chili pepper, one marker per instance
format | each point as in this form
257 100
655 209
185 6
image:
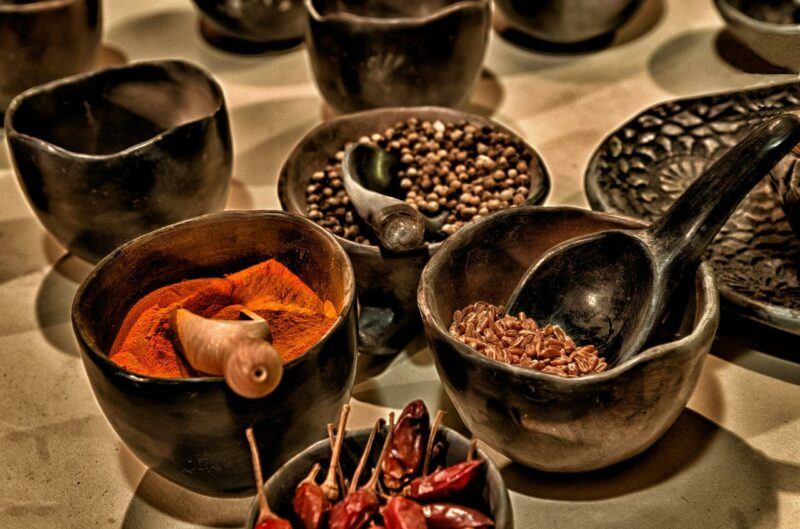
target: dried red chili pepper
449 516
266 518
310 503
444 482
274 523
408 446
402 513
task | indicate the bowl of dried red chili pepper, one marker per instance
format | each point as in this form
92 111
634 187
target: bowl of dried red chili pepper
527 389
174 414
409 474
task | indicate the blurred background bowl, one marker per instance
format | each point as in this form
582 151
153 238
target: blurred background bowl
191 430
107 156
492 500
383 53
567 22
252 26
387 283
43 40
541 420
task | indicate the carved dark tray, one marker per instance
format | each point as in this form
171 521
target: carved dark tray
645 164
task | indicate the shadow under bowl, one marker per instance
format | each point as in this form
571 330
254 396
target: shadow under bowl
545 421
489 497
192 430
387 283
383 53
567 22
770 29
43 40
252 27
107 156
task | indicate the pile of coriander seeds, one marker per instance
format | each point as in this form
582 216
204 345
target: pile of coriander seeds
466 169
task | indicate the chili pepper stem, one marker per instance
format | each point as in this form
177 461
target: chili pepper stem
312 475
364 456
437 421
473 447
264 510
373 480
329 486
340 480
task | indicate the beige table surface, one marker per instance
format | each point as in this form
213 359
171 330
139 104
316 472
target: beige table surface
731 460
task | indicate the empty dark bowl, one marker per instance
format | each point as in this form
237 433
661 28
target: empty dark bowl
281 485
382 53
107 156
567 22
541 420
191 430
770 28
43 40
252 26
387 283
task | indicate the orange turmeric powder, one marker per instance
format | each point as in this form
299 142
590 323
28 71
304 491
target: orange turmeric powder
296 316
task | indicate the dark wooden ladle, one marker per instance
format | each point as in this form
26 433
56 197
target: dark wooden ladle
367 173
611 288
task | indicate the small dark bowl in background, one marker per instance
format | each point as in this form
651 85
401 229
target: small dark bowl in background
541 420
383 53
280 487
192 430
770 28
567 22
107 156
43 40
387 283
252 26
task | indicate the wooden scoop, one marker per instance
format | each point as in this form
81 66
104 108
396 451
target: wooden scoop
398 226
611 288
239 351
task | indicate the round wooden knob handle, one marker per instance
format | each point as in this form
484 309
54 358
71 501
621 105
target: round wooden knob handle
400 228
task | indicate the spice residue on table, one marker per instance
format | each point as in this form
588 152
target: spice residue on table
296 315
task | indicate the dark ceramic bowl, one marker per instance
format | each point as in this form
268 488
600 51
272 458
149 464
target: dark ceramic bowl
384 53
770 28
107 156
43 40
191 430
252 26
493 499
387 283
540 420
567 22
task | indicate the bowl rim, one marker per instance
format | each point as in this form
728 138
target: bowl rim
284 178
36 5
491 468
733 14
92 349
406 21
216 90
704 326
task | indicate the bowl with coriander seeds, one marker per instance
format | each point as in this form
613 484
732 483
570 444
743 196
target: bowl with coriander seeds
451 165
528 389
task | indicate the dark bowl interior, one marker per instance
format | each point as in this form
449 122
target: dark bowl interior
118 110
191 430
542 420
383 8
783 12
489 496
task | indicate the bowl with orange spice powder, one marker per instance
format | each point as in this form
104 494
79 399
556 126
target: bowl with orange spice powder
184 424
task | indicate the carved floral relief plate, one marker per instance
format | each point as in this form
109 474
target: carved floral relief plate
646 163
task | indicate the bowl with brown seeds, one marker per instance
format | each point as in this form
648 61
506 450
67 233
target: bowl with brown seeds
449 160
553 405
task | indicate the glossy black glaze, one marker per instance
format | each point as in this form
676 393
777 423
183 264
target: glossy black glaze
769 28
611 289
541 420
144 146
567 22
252 26
44 40
387 283
785 180
642 166
382 53
191 431
280 487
